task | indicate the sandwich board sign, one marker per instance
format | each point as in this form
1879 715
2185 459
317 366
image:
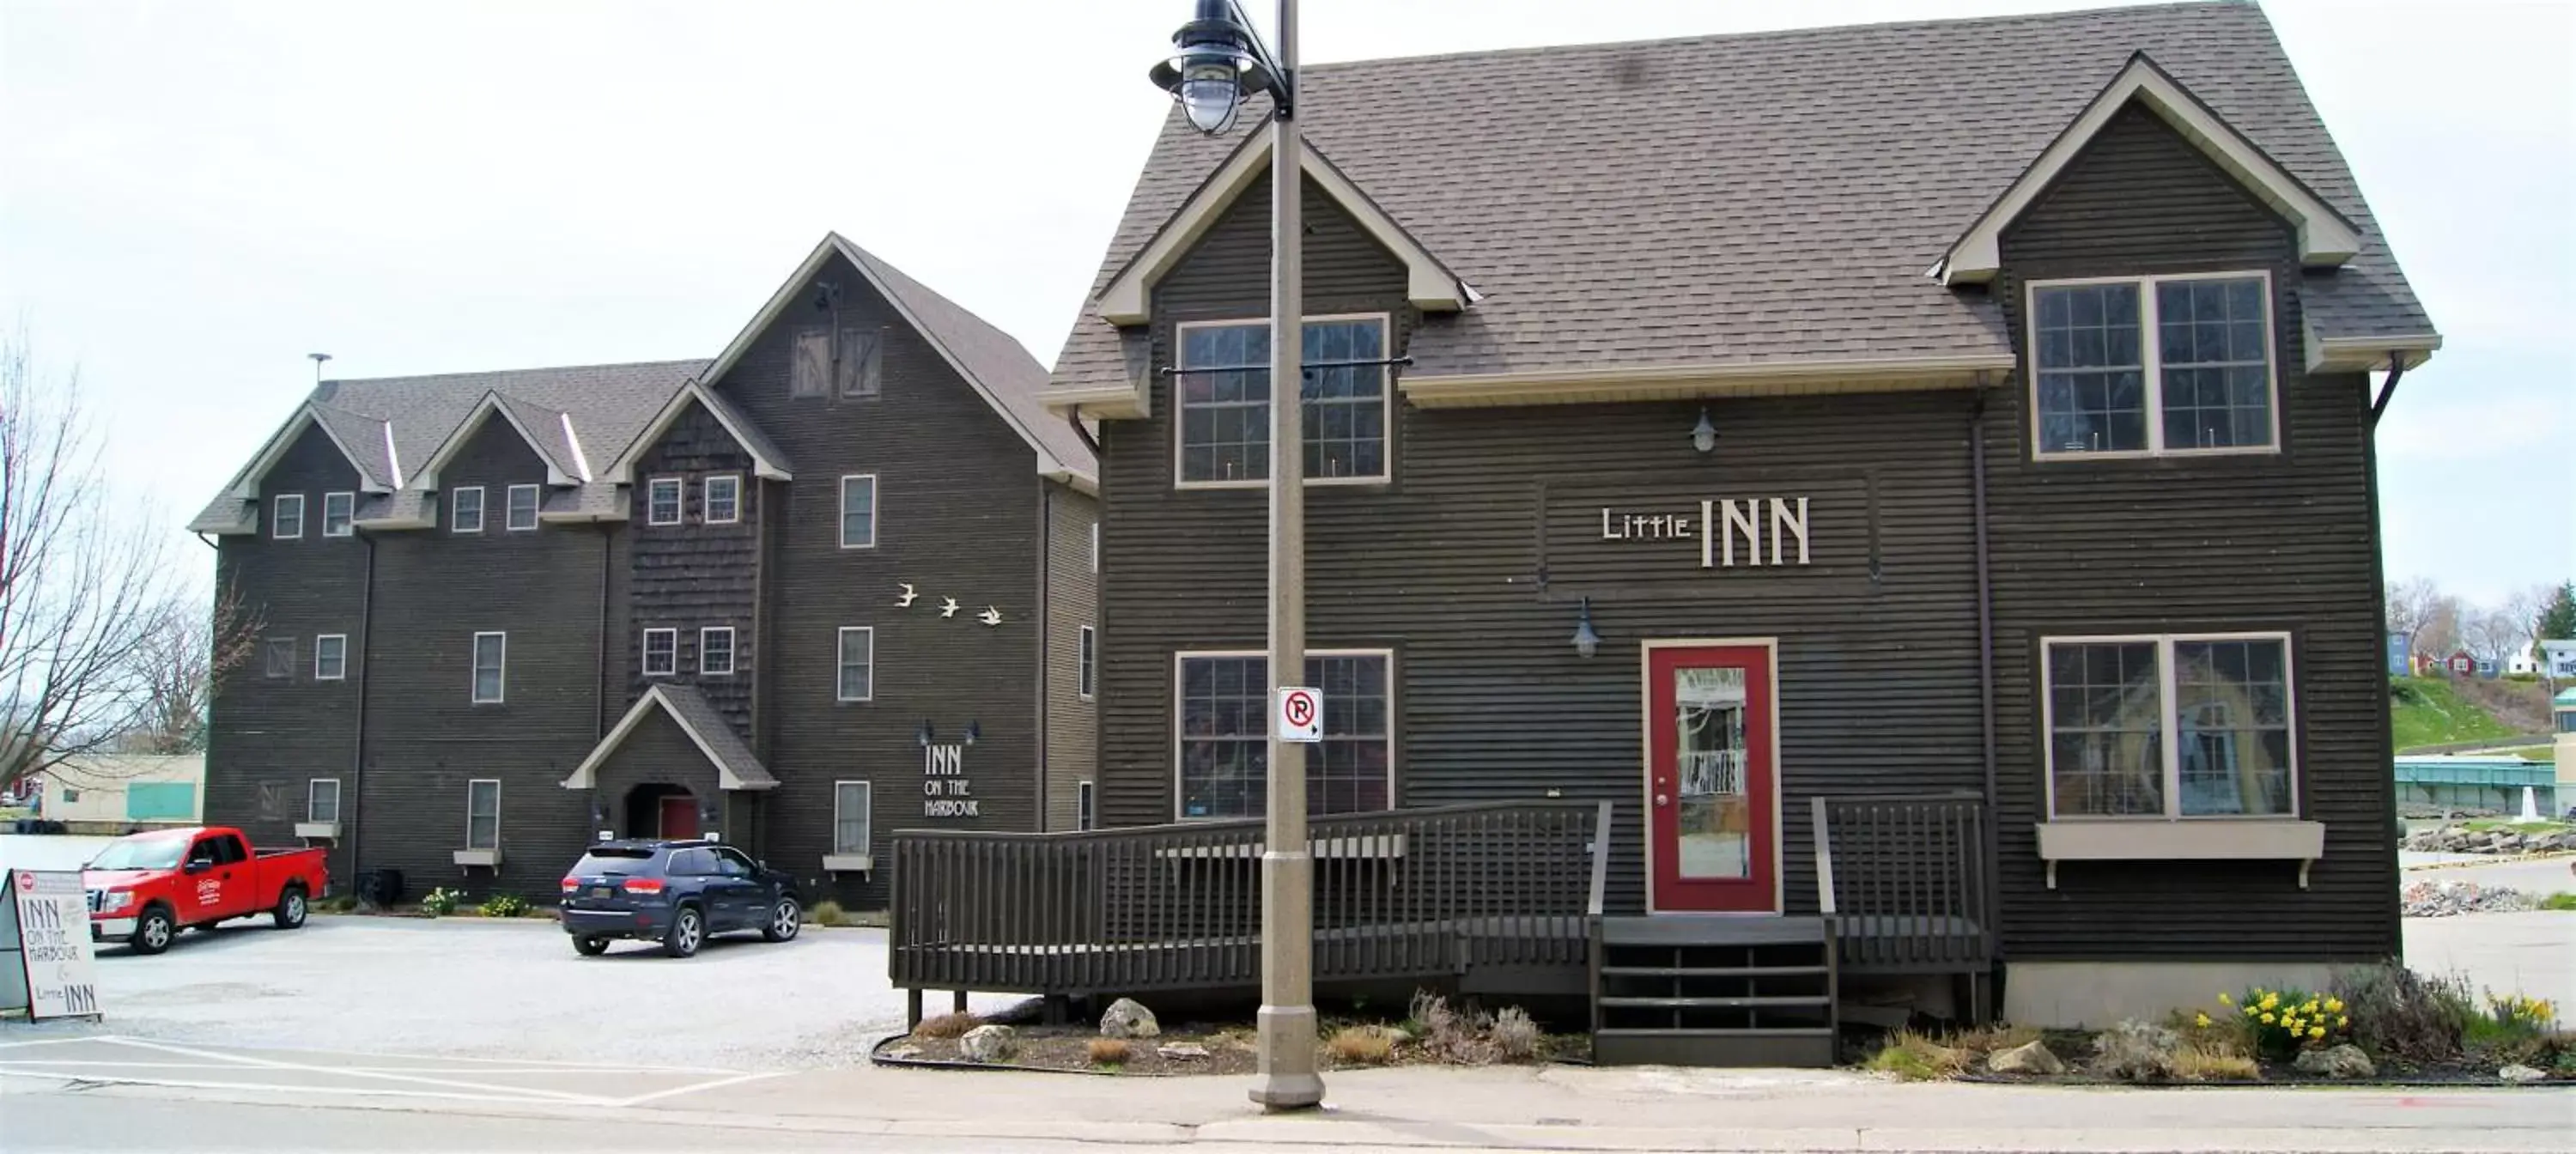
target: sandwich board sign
48 927
1301 714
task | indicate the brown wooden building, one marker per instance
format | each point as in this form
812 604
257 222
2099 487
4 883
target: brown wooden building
834 582
1916 480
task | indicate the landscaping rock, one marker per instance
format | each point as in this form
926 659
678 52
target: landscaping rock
1128 1018
2519 1074
2344 1061
2034 1058
2134 1051
2447 899
1181 1050
989 1044
904 1053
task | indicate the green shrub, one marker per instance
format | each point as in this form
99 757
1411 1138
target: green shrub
504 906
2562 900
824 913
1915 1058
440 902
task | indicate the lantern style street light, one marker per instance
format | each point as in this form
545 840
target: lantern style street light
1217 60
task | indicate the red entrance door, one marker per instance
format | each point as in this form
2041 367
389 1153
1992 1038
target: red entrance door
680 816
1711 829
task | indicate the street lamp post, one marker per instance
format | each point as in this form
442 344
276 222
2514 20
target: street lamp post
1218 60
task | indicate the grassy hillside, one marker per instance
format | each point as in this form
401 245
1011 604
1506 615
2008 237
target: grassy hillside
2429 711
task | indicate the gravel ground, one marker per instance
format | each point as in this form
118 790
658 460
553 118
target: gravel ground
516 989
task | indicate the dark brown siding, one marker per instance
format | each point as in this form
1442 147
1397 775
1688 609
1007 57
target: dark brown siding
2266 542
695 575
1073 602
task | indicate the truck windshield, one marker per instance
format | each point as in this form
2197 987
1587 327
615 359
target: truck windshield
141 853
617 861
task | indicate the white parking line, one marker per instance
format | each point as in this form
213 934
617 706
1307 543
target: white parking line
329 1071
676 1091
280 1088
446 1077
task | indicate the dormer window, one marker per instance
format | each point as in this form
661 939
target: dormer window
723 499
662 501
1223 387
2153 366
286 516
521 515
465 510
337 512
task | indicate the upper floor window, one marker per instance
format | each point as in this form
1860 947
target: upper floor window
465 511
338 509
723 499
2154 365
662 501
1225 731
331 657
850 368
521 516
857 663
1085 662
2169 726
715 651
277 657
483 813
661 652
859 511
286 516
491 656
1224 401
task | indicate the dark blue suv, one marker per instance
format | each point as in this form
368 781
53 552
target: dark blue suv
675 893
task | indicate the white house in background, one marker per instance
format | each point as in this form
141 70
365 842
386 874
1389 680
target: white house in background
2523 662
110 793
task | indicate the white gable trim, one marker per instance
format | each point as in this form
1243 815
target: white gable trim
586 774
622 471
580 460
246 484
427 477
1429 284
2326 239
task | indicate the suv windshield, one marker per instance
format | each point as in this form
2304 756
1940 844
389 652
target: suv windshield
141 853
617 860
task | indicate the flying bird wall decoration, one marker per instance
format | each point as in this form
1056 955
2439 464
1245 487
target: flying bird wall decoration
948 607
990 616
905 601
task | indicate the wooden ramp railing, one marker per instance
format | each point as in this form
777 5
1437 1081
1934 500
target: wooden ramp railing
1402 894
1904 880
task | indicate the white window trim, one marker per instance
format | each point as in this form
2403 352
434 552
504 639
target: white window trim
2151 366
1086 664
348 524
2169 716
1086 806
839 653
679 500
312 786
1095 546
868 794
473 688
1386 399
1181 657
644 656
876 510
510 508
343 674
495 783
277 507
706 502
456 509
730 658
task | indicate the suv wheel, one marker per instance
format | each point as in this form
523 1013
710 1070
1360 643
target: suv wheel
688 930
590 947
785 919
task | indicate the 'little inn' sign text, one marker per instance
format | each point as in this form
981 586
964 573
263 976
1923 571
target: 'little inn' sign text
1720 524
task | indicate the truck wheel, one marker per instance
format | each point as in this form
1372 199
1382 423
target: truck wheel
291 908
590 947
688 929
152 932
785 919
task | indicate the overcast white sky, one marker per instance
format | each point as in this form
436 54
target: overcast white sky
195 195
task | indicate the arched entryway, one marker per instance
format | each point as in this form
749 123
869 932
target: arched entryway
660 809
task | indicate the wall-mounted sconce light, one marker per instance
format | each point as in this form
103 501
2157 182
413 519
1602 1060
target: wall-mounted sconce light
974 729
924 735
1586 642
1704 434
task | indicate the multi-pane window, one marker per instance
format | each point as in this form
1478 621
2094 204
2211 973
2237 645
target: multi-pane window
2166 727
277 657
662 501
322 799
661 652
1225 729
859 511
1224 391
850 813
465 510
331 657
521 515
715 650
857 664
1084 658
483 814
491 653
286 516
852 368
723 499
338 511
2153 365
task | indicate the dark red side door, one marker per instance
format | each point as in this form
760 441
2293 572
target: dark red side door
679 817
1710 785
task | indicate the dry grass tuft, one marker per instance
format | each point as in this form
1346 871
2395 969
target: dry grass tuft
1916 1057
2213 1064
1515 1035
1109 1051
825 913
1361 1045
1995 1039
947 1026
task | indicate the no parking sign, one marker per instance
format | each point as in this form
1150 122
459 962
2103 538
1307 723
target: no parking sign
1301 714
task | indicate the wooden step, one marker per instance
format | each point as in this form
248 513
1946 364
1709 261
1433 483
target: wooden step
1783 1046
1717 1003
1712 931
1608 971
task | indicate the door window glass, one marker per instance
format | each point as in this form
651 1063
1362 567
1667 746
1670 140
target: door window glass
1713 800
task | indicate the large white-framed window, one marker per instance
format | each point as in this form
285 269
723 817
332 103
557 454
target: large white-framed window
851 813
661 652
519 515
1086 806
331 657
715 651
465 509
1221 411
322 799
856 664
483 813
286 516
491 665
1086 658
1221 732
859 511
723 496
339 512
2170 726
2153 366
662 500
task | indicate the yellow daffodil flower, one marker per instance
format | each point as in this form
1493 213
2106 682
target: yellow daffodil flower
2317 1032
2335 1005
2201 1020
2224 1000
2343 1023
2267 1019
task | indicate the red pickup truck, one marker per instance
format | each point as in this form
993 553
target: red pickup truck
146 887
